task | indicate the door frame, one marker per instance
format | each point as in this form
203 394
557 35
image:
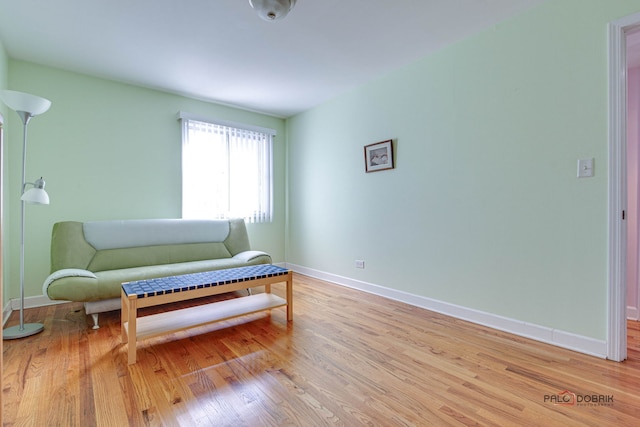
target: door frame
617 262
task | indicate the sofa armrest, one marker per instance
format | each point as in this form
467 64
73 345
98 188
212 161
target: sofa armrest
256 257
64 273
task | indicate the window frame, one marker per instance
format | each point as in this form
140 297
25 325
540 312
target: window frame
265 212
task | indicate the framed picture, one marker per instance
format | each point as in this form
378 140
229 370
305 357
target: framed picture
378 156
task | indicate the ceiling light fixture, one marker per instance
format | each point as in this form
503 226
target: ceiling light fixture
272 10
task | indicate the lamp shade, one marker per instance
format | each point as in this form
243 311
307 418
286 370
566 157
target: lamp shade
272 10
36 195
20 101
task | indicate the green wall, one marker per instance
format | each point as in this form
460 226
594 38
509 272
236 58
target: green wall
483 209
4 73
108 151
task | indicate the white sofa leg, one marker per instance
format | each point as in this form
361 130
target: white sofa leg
95 321
96 307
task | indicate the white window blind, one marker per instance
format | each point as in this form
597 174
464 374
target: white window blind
227 171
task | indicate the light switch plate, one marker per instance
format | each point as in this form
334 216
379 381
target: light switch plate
585 168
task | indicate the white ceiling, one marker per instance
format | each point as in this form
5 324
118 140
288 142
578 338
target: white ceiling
219 50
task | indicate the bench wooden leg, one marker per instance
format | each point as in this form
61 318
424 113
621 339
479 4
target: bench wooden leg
289 297
131 330
124 314
128 327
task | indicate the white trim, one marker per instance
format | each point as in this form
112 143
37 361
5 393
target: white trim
29 302
33 302
617 262
182 115
616 336
6 312
564 339
633 313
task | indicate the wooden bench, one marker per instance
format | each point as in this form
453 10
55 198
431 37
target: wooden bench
152 292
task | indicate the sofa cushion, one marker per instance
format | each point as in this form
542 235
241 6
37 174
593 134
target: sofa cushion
109 259
152 232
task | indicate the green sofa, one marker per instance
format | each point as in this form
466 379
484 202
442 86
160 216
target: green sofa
91 260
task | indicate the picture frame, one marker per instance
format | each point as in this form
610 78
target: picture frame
378 156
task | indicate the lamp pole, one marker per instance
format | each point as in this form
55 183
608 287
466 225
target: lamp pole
26 106
23 330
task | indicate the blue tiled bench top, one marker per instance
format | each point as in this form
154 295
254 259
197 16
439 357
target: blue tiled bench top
188 282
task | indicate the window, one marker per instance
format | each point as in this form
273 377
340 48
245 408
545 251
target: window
226 171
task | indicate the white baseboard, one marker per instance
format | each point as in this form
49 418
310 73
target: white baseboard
544 334
6 312
633 313
29 302
32 302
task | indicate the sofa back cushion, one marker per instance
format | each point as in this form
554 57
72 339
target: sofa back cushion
111 259
109 245
152 232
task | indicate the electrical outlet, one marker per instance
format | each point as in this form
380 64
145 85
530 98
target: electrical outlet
359 263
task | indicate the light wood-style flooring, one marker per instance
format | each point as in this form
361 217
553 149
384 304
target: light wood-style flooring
347 359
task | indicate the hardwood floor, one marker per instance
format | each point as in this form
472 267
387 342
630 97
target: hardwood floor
348 358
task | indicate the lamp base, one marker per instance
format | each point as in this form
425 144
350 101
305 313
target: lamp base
28 329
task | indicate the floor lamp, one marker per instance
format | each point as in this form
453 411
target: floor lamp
26 106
